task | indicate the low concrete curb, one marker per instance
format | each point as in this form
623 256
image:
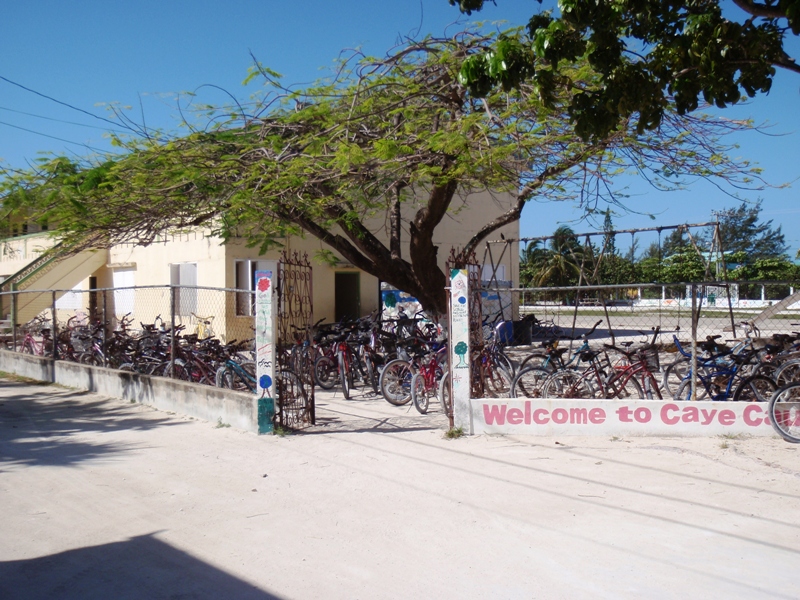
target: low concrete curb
236 409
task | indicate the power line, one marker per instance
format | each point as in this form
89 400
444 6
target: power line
86 112
53 137
22 112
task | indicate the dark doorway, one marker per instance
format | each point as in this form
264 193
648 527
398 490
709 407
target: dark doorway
94 315
348 296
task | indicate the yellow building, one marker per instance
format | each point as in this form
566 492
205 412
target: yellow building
198 259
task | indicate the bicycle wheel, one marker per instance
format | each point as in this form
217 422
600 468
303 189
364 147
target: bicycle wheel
504 362
224 377
395 382
784 412
674 375
567 384
529 383
757 388
90 358
179 370
418 394
325 372
372 377
536 359
345 377
622 389
684 391
767 369
652 390
788 372
496 381
444 395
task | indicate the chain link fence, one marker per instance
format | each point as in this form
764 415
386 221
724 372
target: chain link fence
632 312
692 311
79 320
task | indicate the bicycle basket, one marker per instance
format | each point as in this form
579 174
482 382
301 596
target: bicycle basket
650 355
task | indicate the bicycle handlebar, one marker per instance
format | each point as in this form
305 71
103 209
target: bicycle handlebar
591 331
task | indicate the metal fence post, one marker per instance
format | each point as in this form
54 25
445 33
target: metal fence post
105 325
55 328
173 340
14 305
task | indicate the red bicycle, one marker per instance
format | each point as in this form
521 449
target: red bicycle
428 372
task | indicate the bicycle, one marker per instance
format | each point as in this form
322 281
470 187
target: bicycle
237 374
551 361
395 380
490 379
637 371
203 329
596 381
529 381
425 382
30 345
724 376
784 412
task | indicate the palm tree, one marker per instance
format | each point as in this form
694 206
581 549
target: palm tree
560 264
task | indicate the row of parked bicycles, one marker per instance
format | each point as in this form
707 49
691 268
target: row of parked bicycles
198 357
413 368
404 360
750 369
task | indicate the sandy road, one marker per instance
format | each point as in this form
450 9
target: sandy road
102 499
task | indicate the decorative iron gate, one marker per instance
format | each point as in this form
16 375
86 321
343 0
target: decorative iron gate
295 374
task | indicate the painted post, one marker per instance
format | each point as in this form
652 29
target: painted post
459 349
266 327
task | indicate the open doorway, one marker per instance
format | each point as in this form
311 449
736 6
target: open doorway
348 296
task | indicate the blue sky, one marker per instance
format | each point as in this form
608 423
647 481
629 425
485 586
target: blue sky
92 54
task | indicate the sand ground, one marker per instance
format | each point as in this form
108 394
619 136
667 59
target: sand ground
103 499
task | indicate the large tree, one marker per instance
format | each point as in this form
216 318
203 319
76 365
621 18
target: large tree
743 231
396 140
649 54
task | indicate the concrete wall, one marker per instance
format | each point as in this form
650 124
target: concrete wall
563 417
201 401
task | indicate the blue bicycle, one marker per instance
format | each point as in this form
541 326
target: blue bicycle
722 376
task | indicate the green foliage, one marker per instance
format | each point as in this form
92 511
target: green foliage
454 433
558 265
684 53
743 231
754 251
337 157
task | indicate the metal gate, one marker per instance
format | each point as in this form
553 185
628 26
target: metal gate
295 374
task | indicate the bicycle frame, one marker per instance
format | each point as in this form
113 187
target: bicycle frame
646 379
